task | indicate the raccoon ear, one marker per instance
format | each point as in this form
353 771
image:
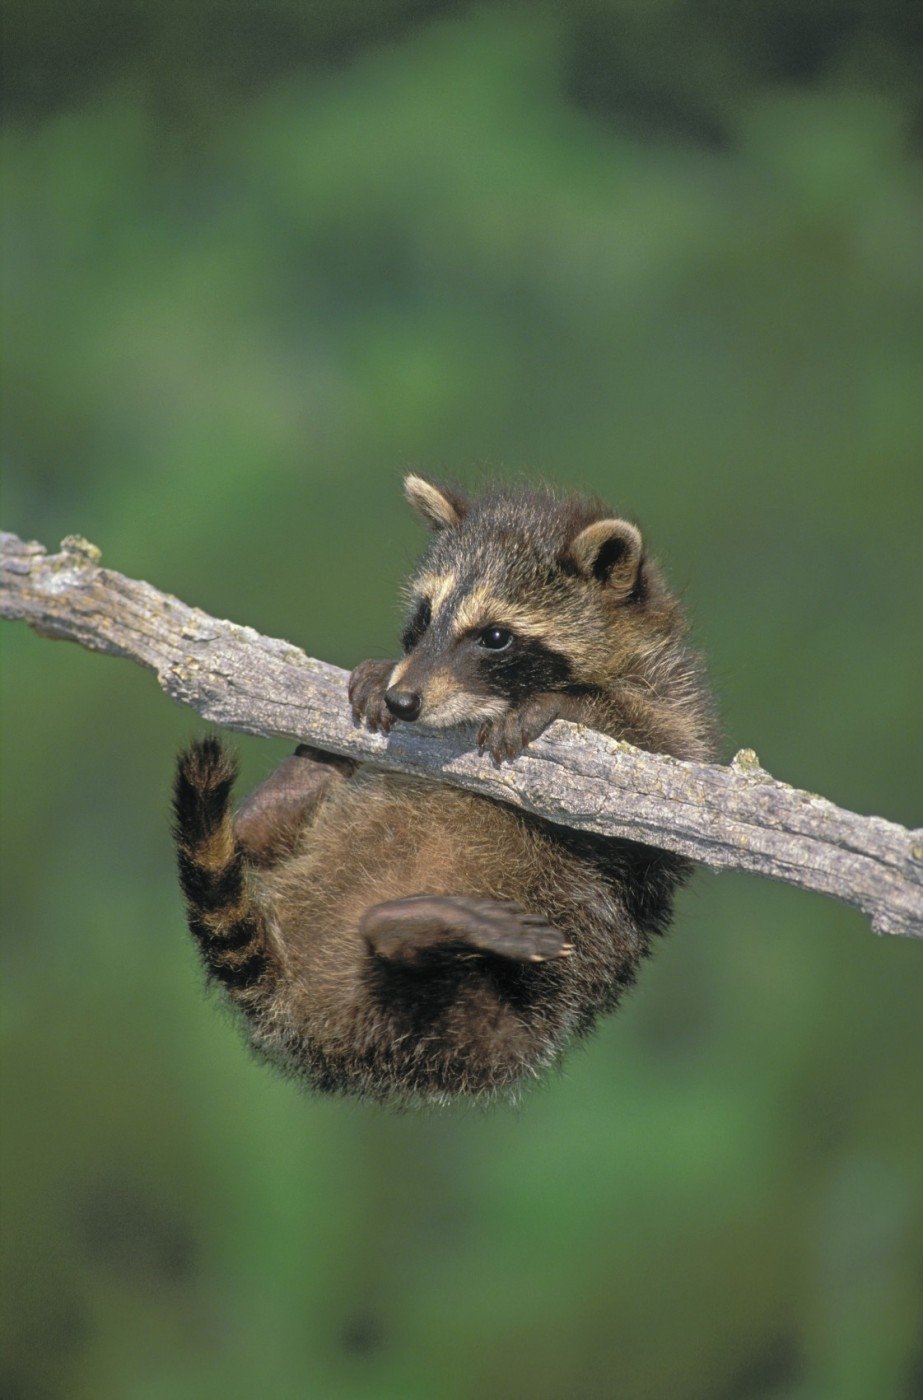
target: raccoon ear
440 508
610 551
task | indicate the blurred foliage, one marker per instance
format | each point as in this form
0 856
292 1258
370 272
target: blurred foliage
258 259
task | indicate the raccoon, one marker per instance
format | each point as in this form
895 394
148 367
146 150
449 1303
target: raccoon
402 940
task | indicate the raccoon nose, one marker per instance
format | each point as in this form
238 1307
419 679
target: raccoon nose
403 704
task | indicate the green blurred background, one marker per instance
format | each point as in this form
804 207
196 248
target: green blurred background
260 259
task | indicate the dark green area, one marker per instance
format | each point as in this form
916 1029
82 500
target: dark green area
259 259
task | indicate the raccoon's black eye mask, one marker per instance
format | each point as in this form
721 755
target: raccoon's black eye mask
417 625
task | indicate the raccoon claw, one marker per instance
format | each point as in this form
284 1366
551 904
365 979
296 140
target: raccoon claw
507 736
492 740
367 686
507 931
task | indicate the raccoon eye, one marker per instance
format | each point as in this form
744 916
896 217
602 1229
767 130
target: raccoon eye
496 638
417 626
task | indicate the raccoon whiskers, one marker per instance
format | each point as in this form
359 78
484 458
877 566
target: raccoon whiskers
462 709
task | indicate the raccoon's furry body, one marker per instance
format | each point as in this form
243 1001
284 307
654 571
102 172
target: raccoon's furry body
398 939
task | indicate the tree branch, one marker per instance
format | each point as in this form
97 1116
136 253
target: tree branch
737 818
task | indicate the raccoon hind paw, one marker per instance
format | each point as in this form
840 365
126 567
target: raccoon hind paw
417 929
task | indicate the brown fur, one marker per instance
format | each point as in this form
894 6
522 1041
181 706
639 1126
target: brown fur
312 910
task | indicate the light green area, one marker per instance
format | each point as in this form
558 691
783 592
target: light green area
250 277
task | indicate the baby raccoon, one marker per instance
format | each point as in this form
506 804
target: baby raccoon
403 940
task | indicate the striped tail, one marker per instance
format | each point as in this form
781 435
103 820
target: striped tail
222 917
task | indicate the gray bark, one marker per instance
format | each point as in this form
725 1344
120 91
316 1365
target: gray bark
733 818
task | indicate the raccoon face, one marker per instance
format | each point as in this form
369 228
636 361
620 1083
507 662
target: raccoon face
514 598
467 661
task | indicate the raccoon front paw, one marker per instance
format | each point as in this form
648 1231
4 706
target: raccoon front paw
508 735
367 686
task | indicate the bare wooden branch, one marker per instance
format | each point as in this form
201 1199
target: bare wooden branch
736 818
